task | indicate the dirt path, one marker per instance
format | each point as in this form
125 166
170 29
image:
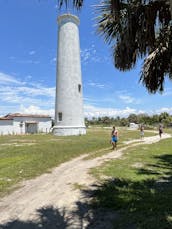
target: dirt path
49 201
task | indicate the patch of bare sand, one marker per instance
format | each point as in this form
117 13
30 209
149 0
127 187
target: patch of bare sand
18 144
51 201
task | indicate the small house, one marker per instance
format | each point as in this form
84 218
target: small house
25 124
133 126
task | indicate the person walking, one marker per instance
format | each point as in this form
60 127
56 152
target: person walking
160 130
114 138
141 132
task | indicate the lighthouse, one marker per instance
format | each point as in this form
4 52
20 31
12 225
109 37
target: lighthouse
69 115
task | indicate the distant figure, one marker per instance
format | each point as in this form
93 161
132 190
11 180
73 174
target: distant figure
160 130
114 138
141 132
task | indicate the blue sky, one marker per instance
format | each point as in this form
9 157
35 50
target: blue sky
28 46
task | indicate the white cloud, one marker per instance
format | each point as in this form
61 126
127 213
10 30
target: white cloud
14 94
100 101
129 99
28 77
8 79
167 92
164 109
26 91
53 60
32 52
92 111
97 85
37 91
91 55
28 61
36 110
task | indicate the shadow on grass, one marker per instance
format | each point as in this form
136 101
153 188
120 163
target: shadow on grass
138 204
93 218
162 167
144 204
117 203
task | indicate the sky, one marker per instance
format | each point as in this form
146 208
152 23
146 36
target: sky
28 54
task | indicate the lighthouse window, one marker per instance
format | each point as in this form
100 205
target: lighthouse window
79 87
60 116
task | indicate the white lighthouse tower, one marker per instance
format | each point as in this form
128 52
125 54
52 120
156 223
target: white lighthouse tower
69 115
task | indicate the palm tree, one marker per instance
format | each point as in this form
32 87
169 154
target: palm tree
135 29
76 3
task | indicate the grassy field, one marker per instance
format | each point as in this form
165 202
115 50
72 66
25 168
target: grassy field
24 157
138 187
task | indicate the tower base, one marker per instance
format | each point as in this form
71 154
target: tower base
69 130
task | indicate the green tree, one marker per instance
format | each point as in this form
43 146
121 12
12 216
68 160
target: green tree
124 122
132 118
155 119
134 29
140 118
167 121
163 116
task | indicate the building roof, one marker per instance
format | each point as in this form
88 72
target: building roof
12 116
5 118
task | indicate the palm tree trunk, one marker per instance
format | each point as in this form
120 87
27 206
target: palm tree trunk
171 8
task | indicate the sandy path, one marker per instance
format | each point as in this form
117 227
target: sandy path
54 190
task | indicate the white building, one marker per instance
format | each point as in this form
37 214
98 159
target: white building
133 126
24 123
69 114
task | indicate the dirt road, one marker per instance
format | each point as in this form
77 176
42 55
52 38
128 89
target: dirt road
53 201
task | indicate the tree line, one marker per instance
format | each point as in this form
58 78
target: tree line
164 118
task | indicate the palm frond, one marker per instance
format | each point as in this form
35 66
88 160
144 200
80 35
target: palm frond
154 70
131 24
76 3
158 64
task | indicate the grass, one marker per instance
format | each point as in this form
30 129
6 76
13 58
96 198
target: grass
138 186
24 157
124 136
20 161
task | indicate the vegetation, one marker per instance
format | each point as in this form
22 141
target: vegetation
149 121
139 187
26 156
134 29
